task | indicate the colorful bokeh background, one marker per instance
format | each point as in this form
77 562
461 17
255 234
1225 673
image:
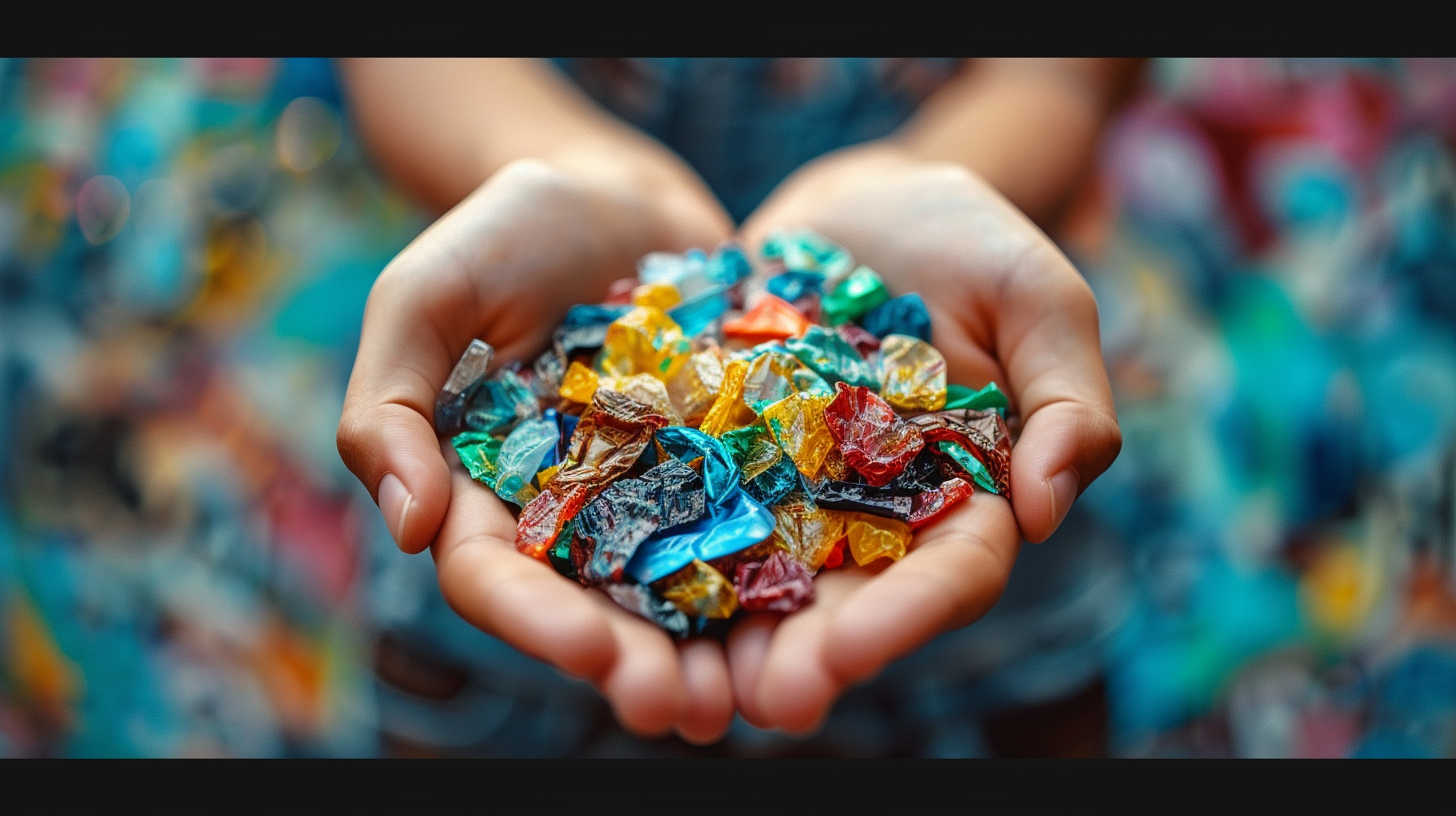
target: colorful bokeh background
186 568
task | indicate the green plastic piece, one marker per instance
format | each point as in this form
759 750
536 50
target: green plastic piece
990 397
753 448
560 553
479 452
972 465
854 297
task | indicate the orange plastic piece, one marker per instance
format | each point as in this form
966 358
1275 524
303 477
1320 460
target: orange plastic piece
773 318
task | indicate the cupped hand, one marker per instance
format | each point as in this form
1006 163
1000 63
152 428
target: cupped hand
1005 305
504 265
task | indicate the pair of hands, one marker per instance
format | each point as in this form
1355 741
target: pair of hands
508 261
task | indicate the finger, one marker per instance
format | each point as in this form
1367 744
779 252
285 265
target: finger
645 684
413 333
952 576
517 599
1053 355
797 687
748 643
709 709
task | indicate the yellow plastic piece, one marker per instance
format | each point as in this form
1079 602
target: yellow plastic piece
579 383
913 373
644 341
547 475
728 412
695 386
699 591
807 533
660 295
873 537
797 423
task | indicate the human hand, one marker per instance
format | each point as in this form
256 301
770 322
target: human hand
504 265
1005 305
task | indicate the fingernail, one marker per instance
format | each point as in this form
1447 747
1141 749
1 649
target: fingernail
1063 490
394 503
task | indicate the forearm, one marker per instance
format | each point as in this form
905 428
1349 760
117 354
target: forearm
441 127
1029 127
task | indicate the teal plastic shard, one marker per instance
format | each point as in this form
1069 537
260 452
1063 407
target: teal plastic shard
972 465
520 458
772 485
989 398
808 381
807 251
728 265
794 285
478 452
720 472
699 311
854 297
829 356
499 403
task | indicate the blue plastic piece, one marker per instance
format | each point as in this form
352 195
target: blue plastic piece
720 472
736 524
905 314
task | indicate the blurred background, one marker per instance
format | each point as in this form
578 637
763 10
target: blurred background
186 568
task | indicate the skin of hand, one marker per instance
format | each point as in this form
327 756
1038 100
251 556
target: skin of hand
504 265
1005 305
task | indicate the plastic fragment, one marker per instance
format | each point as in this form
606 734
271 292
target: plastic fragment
824 351
498 403
806 251
520 458
728 411
772 318
797 424
777 584
579 383
870 436
986 399
862 291
699 591
663 295
478 453
873 537
793 285
905 314
730 527
643 341
982 433
643 602
719 471
913 372
805 530
468 371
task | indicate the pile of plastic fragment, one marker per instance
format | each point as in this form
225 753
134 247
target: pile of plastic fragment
692 458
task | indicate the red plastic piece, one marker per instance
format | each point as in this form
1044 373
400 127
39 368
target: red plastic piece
836 555
932 504
777 584
870 435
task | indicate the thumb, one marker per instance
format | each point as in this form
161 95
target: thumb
386 433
